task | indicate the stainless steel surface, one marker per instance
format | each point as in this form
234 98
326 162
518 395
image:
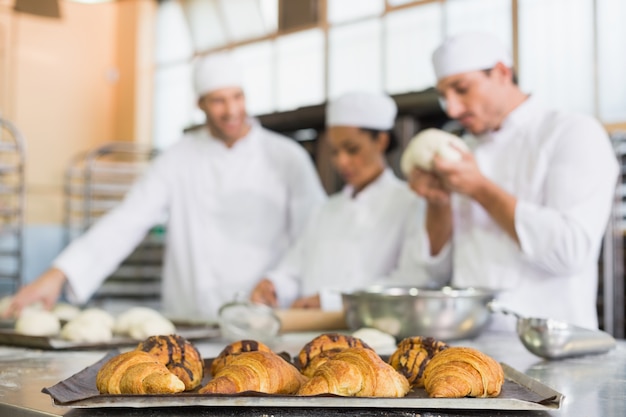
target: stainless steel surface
553 339
446 314
592 385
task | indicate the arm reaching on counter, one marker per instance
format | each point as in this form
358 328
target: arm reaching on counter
265 293
46 289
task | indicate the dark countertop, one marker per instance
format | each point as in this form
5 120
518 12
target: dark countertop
593 385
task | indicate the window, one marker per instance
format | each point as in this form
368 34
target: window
387 45
340 11
354 57
411 36
174 98
612 60
258 72
492 16
556 52
300 69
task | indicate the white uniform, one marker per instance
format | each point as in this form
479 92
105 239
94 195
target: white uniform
230 215
351 242
563 171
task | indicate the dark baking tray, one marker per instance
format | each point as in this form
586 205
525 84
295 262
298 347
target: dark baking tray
519 392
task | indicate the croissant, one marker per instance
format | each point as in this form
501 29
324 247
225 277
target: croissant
412 356
179 356
321 349
150 378
153 378
356 372
255 371
231 351
463 372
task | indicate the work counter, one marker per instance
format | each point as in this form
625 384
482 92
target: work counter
593 385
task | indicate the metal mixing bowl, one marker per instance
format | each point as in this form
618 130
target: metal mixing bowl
445 314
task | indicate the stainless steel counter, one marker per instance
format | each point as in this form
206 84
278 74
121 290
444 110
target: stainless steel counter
592 385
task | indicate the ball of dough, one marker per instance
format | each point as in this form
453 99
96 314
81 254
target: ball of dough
427 144
38 323
132 317
96 316
84 332
376 339
65 312
154 326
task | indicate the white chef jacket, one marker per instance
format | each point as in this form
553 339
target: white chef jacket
230 214
350 242
563 171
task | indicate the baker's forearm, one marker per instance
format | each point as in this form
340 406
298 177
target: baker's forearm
500 205
438 226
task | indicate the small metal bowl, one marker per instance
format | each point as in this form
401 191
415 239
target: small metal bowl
445 314
247 320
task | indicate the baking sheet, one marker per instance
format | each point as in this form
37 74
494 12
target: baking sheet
519 392
188 331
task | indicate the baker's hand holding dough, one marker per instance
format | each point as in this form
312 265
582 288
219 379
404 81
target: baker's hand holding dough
436 163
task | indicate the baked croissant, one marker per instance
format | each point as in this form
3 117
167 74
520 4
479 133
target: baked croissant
319 350
463 372
231 351
150 378
179 356
356 372
255 371
412 356
141 373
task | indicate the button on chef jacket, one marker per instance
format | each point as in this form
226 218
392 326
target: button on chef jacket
350 242
230 215
563 171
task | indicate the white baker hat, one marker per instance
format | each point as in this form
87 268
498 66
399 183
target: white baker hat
217 71
369 110
471 51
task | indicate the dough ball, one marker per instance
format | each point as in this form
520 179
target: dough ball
376 339
65 312
38 323
95 317
84 332
427 144
134 316
154 326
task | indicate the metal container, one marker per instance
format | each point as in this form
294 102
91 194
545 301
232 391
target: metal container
554 339
445 314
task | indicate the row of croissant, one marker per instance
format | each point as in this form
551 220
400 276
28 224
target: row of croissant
329 364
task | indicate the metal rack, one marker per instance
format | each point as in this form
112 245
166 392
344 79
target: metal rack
12 158
97 181
612 293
